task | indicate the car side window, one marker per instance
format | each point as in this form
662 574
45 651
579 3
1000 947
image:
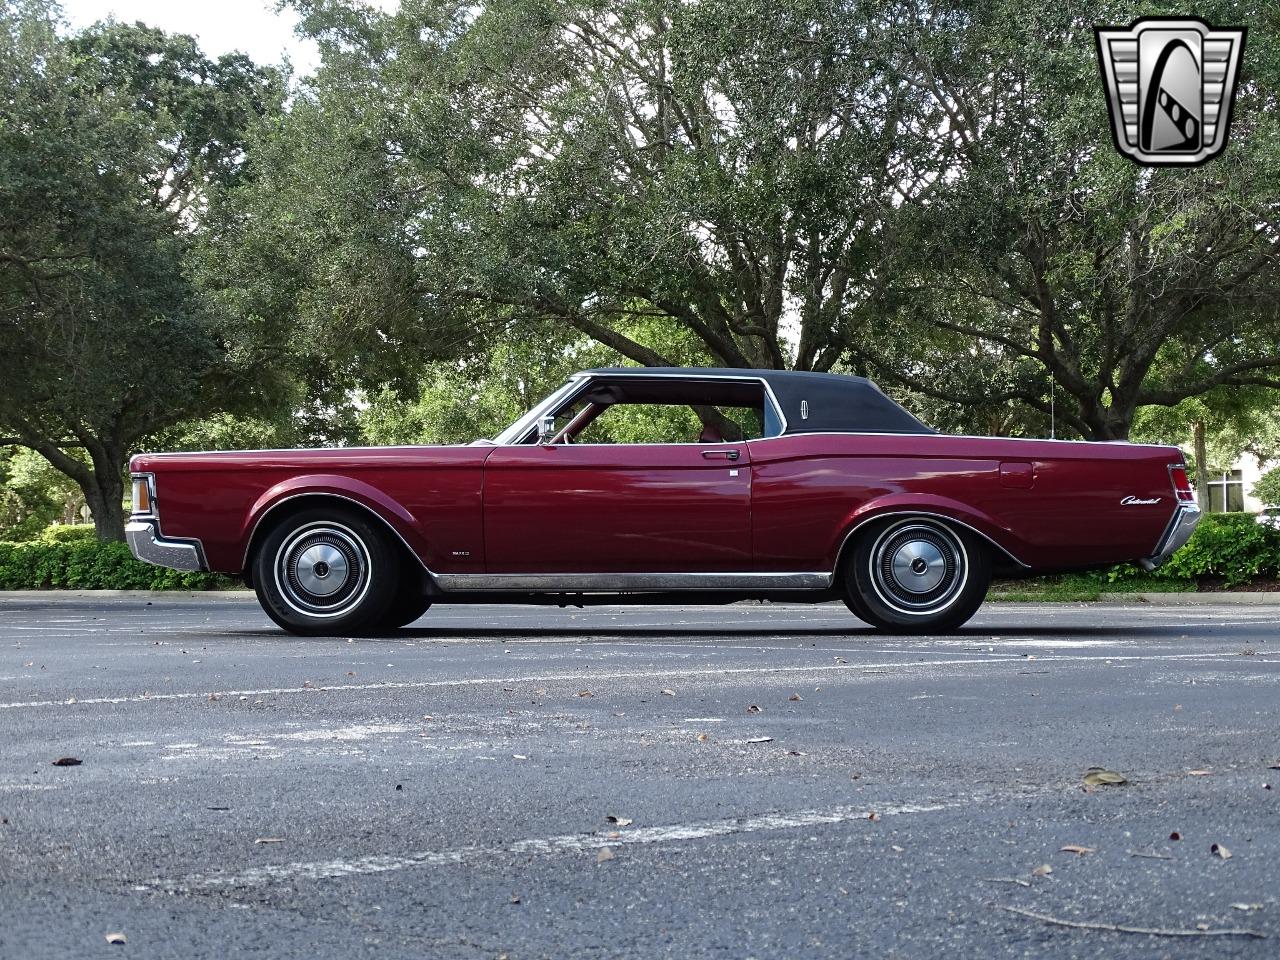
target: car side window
628 423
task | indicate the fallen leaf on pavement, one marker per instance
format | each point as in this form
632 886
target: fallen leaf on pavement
585 693
759 739
1076 848
1218 850
67 762
703 737
1042 871
1098 777
117 938
269 840
604 854
1018 880
620 821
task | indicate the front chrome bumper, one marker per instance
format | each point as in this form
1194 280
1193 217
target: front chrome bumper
148 545
1175 536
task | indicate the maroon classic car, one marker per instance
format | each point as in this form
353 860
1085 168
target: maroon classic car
636 485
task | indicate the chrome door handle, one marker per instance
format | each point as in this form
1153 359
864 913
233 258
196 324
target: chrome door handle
720 454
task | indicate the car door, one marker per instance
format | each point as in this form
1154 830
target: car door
618 508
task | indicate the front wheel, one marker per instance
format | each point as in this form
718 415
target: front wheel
916 575
326 571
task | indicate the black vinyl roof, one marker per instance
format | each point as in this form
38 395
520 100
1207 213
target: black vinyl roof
810 402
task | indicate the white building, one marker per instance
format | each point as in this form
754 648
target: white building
1233 489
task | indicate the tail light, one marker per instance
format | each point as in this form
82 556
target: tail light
1181 483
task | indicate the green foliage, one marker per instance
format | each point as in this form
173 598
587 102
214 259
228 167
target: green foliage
1227 549
33 494
1232 547
67 533
113 142
87 564
927 194
1267 489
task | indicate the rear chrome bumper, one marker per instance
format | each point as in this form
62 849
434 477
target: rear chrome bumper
1175 535
148 545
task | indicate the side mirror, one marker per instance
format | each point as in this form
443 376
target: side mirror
546 430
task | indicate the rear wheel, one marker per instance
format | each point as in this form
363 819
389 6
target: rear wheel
326 571
917 574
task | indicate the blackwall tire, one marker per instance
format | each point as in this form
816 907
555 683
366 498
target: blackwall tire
407 606
327 572
917 575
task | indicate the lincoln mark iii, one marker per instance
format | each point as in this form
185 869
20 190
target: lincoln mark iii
639 485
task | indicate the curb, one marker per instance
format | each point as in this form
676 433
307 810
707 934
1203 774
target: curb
1240 598
184 596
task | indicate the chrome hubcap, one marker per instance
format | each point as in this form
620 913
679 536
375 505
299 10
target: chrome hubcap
322 570
918 567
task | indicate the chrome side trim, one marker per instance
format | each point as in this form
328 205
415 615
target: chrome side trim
146 543
244 561
908 513
1181 525
956 436
628 582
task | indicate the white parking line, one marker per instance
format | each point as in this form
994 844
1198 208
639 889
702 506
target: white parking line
585 676
573 843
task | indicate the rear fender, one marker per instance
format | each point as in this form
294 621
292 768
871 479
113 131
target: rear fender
1001 538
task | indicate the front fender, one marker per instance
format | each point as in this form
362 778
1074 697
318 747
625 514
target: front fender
386 508
988 527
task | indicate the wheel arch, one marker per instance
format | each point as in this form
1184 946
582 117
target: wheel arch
947 512
271 510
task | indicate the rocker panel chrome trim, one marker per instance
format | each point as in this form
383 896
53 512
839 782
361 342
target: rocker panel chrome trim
628 582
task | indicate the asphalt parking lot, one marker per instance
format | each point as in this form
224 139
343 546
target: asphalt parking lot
785 783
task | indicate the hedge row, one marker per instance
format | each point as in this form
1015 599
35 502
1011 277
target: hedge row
76 563
1231 547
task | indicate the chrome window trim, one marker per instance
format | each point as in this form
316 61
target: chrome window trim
528 423
629 582
522 426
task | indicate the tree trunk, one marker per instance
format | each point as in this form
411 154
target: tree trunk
105 496
1202 464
